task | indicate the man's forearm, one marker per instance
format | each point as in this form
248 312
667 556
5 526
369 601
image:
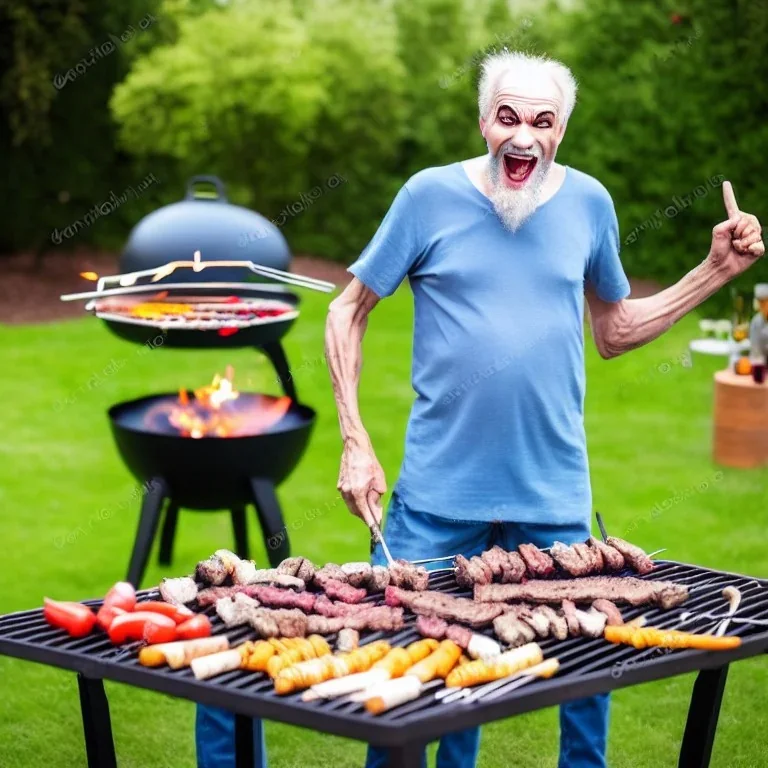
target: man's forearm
344 331
637 321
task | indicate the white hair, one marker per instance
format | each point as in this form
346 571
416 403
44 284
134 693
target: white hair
496 65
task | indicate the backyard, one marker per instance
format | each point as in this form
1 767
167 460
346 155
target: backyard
70 510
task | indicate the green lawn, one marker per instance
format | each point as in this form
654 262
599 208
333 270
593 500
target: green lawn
69 512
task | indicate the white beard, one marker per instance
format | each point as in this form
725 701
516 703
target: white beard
515 206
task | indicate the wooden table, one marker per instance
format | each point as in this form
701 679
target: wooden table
741 421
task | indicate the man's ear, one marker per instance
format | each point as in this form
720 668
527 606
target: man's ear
481 122
561 130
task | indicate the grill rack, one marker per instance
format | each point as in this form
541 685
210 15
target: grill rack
587 667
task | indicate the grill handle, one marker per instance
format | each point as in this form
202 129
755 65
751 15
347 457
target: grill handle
221 191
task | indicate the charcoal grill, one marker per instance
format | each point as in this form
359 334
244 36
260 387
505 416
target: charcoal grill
194 262
587 667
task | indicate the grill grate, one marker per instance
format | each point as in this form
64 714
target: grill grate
586 666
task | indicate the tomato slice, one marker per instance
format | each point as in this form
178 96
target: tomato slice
178 613
119 599
198 626
75 618
142 625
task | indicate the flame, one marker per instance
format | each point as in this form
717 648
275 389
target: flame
89 276
215 413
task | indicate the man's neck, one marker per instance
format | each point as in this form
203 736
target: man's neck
478 170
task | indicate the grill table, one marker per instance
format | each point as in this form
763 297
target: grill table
587 667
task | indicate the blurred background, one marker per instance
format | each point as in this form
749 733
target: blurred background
314 113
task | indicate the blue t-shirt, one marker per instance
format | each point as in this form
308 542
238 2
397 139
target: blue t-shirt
497 428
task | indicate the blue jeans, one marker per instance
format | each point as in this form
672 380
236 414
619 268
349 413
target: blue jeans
415 535
215 739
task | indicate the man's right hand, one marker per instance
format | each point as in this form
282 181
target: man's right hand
361 480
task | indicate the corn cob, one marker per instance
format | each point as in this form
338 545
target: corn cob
308 673
508 663
438 664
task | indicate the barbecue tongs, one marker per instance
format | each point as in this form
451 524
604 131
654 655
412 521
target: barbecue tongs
377 535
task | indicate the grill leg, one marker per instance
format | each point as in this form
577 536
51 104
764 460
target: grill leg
99 746
244 755
271 519
168 533
240 528
149 518
275 352
408 756
703 712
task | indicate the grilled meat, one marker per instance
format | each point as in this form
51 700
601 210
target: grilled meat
459 609
244 572
306 571
634 556
358 574
274 597
431 626
348 640
459 634
376 618
512 630
212 595
592 559
408 576
612 613
338 590
330 608
626 589
236 610
211 571
379 578
495 559
613 560
278 623
513 571
538 564
591 622
178 591
571 619
329 571
558 627
569 559
290 566
472 571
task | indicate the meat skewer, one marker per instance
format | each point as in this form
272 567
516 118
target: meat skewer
477 646
627 589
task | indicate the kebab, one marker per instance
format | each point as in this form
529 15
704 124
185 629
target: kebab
618 589
428 603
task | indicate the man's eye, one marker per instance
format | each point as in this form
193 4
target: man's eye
508 119
544 124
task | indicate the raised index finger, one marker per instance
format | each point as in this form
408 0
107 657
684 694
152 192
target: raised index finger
731 207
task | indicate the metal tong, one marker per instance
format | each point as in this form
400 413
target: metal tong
377 535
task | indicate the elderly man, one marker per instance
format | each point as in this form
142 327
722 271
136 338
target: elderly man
500 251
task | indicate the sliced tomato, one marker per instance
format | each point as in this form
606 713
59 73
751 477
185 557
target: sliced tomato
119 599
178 613
142 625
198 626
75 618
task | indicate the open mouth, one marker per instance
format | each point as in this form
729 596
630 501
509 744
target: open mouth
519 168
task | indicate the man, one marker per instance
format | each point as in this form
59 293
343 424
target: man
500 250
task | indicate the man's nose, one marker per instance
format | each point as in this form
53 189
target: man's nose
523 138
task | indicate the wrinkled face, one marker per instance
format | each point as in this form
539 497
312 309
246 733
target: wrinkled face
523 128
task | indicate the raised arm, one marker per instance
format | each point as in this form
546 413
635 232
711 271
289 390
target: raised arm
623 325
361 478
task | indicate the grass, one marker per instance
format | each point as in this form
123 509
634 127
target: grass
69 512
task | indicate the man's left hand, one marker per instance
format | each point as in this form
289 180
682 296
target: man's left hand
736 243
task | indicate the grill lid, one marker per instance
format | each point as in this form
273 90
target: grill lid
206 221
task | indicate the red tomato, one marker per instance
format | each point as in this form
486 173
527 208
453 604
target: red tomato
199 626
142 625
75 618
121 598
177 612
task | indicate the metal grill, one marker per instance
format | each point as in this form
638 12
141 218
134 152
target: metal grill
586 666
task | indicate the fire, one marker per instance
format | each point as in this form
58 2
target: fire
213 411
89 276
